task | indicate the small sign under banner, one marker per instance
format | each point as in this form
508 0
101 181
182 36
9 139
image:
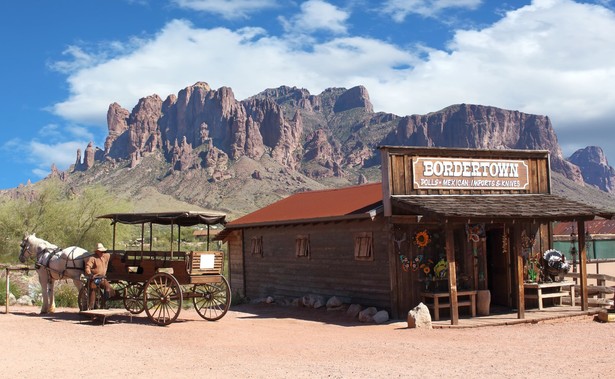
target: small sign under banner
467 173
207 261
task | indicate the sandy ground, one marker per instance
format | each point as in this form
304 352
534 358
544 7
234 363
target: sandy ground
271 341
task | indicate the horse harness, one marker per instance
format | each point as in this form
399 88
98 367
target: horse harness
44 257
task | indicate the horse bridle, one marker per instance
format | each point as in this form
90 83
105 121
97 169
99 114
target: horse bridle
25 246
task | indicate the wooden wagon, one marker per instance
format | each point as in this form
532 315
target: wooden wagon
158 281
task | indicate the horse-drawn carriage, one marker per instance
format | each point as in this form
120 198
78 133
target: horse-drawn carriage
154 281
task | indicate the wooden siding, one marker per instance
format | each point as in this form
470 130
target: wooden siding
236 274
331 268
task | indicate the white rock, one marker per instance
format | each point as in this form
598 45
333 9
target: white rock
12 299
381 316
269 300
367 315
334 302
353 310
319 302
419 317
25 300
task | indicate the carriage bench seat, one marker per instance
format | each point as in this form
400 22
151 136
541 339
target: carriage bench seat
206 262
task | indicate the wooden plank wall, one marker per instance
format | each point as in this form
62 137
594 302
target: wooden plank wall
331 268
236 263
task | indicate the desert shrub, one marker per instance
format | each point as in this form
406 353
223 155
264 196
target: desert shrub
14 288
66 295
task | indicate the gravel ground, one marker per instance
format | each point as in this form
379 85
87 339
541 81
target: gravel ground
271 341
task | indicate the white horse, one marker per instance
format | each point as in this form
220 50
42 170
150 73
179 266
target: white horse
53 263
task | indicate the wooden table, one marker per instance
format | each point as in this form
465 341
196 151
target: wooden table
437 304
555 290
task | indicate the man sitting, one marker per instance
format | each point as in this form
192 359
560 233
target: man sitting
95 270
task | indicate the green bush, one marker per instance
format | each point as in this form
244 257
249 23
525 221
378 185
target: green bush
66 295
13 288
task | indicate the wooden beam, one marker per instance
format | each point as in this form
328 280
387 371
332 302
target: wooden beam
396 290
518 254
452 273
583 258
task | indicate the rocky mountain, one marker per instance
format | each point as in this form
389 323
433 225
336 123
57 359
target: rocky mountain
595 168
205 147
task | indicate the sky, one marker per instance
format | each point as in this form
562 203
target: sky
65 61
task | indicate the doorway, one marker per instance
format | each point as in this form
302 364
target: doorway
499 268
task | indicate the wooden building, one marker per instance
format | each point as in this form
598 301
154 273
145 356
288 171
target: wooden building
442 224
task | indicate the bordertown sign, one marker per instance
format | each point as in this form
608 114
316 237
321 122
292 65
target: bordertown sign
467 173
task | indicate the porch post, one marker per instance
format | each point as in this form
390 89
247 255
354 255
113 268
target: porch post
518 251
583 258
452 273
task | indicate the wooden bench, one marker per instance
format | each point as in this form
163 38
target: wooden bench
437 304
554 290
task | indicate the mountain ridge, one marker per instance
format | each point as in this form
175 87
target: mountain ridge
203 147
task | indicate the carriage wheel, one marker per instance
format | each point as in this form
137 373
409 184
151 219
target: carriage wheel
163 298
133 298
212 300
83 299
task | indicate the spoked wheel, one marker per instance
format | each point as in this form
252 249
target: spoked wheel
83 299
163 298
212 300
133 298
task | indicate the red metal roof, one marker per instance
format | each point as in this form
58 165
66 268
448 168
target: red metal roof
313 205
595 227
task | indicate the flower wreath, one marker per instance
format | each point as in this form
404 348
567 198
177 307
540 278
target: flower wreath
422 238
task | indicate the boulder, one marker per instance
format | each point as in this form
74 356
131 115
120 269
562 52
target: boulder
367 315
334 302
353 310
381 317
419 317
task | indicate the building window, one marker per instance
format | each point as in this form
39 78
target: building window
302 245
364 246
257 246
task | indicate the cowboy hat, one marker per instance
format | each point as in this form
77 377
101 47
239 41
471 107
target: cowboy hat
100 247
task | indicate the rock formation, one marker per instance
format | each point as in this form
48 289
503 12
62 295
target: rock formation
333 134
595 168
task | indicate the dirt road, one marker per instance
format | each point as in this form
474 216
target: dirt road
269 341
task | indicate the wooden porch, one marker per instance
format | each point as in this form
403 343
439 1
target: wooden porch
511 317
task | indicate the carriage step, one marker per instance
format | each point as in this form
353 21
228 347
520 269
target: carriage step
104 313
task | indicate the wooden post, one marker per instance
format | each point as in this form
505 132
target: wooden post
518 254
7 292
452 273
583 258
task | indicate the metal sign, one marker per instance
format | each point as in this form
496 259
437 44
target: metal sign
467 173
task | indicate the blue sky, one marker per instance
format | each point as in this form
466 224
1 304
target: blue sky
66 61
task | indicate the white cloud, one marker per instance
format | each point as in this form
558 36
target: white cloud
317 15
553 57
229 9
399 9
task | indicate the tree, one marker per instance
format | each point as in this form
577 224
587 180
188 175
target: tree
59 215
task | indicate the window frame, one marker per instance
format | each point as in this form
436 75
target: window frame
256 248
364 246
302 246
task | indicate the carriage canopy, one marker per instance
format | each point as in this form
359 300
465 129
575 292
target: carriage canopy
187 218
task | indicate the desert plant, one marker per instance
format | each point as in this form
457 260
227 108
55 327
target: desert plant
66 295
14 288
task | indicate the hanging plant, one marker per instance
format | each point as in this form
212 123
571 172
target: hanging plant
422 238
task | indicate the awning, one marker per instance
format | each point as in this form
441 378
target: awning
188 218
486 208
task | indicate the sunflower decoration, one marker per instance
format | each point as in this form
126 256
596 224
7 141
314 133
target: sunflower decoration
422 238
